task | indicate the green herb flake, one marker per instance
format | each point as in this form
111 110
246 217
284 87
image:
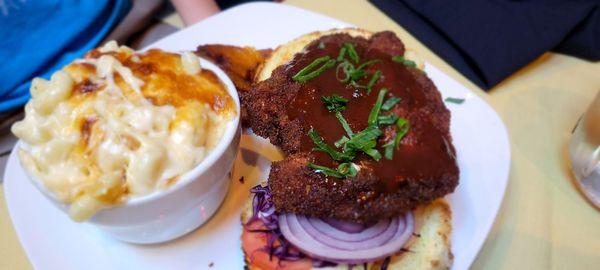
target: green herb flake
334 103
368 63
342 54
339 143
455 100
373 153
373 80
389 103
388 150
404 61
389 119
324 147
352 74
337 104
372 121
364 141
348 169
344 123
342 67
351 52
403 126
312 71
325 170
321 45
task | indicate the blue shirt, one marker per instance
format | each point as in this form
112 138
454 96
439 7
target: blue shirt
41 36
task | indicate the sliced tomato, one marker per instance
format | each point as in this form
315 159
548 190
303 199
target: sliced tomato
253 244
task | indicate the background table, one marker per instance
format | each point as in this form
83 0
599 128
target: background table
544 223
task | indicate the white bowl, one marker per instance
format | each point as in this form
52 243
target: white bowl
167 214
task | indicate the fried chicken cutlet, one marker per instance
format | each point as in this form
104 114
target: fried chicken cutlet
286 111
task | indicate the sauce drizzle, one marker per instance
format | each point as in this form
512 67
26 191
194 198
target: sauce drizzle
425 153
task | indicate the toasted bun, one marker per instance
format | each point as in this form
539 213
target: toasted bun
286 52
429 249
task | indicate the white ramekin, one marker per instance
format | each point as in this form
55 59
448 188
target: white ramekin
167 214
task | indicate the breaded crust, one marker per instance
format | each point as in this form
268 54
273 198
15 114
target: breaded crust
428 249
300 190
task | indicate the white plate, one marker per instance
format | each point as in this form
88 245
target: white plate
52 241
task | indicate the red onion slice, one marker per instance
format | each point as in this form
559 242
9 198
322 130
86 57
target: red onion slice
341 234
348 227
365 243
310 239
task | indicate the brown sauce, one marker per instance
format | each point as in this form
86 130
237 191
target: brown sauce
425 153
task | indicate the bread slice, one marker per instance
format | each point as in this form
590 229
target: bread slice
429 248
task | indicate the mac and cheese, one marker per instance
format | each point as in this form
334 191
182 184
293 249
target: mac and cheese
119 124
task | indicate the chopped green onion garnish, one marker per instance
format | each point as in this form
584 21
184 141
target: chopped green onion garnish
368 63
373 153
347 169
387 119
373 80
344 123
364 141
403 127
306 74
339 143
389 103
342 54
342 67
351 52
321 45
404 61
372 121
325 170
353 74
334 103
323 147
360 140
388 150
357 85
337 104
348 48
455 100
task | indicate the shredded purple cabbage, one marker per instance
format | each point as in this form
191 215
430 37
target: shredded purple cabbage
264 211
263 208
386 262
320 264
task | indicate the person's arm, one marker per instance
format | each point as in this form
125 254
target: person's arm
193 11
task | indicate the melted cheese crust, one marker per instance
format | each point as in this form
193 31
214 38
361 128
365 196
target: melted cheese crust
118 124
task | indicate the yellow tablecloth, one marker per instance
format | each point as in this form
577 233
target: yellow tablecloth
544 223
